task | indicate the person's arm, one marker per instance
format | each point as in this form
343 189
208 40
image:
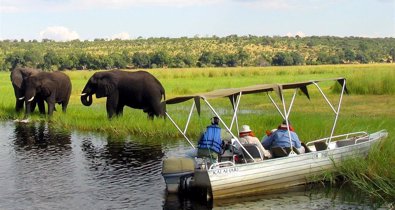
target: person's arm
267 141
296 140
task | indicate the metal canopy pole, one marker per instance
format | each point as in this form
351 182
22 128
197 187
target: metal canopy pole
338 111
286 120
189 117
178 128
275 105
227 128
234 118
333 109
292 102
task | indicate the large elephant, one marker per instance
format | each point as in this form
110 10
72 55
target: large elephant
53 87
139 90
18 79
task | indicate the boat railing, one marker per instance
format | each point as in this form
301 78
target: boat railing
360 134
221 164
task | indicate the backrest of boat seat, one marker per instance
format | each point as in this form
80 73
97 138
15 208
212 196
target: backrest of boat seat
360 140
288 150
320 145
342 143
306 148
254 152
278 152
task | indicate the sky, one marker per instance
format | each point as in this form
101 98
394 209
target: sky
64 20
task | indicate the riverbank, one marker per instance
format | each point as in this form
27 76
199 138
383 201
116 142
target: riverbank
369 107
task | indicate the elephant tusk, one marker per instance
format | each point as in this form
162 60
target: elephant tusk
31 99
21 98
82 94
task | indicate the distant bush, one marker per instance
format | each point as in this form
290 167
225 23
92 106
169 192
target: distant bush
230 51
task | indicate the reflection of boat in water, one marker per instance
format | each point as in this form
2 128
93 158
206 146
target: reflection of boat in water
256 174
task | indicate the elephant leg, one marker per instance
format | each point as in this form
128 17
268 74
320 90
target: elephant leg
33 106
111 110
112 105
157 109
41 106
119 111
19 105
51 107
64 106
151 115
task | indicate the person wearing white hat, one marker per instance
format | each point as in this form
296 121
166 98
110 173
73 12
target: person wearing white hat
248 137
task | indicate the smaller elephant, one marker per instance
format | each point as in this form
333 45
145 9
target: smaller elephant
18 79
139 90
54 87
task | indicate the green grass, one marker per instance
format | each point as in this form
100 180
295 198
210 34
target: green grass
365 82
369 107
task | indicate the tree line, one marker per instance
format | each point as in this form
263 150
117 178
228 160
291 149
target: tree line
230 51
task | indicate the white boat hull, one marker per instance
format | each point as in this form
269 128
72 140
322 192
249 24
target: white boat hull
267 175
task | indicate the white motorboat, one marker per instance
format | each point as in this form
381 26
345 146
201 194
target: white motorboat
257 174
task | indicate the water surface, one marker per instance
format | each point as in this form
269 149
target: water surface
46 168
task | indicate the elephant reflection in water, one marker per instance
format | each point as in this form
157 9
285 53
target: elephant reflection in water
32 135
118 152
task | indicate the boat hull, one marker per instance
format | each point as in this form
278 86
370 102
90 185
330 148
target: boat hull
272 174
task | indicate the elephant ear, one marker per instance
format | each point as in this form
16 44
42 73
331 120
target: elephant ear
106 86
16 78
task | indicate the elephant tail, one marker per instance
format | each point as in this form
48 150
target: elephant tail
162 91
163 103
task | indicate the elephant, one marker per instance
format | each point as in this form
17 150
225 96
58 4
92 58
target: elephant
18 79
139 90
53 87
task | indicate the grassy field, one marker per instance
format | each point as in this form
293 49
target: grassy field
370 106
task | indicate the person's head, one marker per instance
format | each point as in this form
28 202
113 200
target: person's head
245 130
283 125
215 120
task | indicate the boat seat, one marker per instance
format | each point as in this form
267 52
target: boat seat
362 140
343 143
288 150
306 148
278 152
254 151
320 145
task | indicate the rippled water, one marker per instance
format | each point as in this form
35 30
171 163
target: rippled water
43 168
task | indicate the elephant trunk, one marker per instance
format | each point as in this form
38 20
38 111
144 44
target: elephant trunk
86 99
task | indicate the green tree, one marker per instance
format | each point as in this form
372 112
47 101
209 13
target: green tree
15 59
206 59
161 59
141 60
32 58
51 59
243 56
349 55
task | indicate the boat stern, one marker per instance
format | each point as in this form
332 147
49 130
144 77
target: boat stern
174 170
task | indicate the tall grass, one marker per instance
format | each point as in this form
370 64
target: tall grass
369 107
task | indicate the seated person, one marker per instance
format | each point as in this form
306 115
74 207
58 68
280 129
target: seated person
280 138
248 137
210 142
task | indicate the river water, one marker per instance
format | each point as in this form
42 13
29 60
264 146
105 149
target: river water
46 168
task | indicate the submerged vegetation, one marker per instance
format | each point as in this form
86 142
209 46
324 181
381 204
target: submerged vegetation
370 106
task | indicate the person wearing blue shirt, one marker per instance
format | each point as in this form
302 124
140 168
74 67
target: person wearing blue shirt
280 138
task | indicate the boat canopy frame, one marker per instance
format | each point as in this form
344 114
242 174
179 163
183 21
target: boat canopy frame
235 94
